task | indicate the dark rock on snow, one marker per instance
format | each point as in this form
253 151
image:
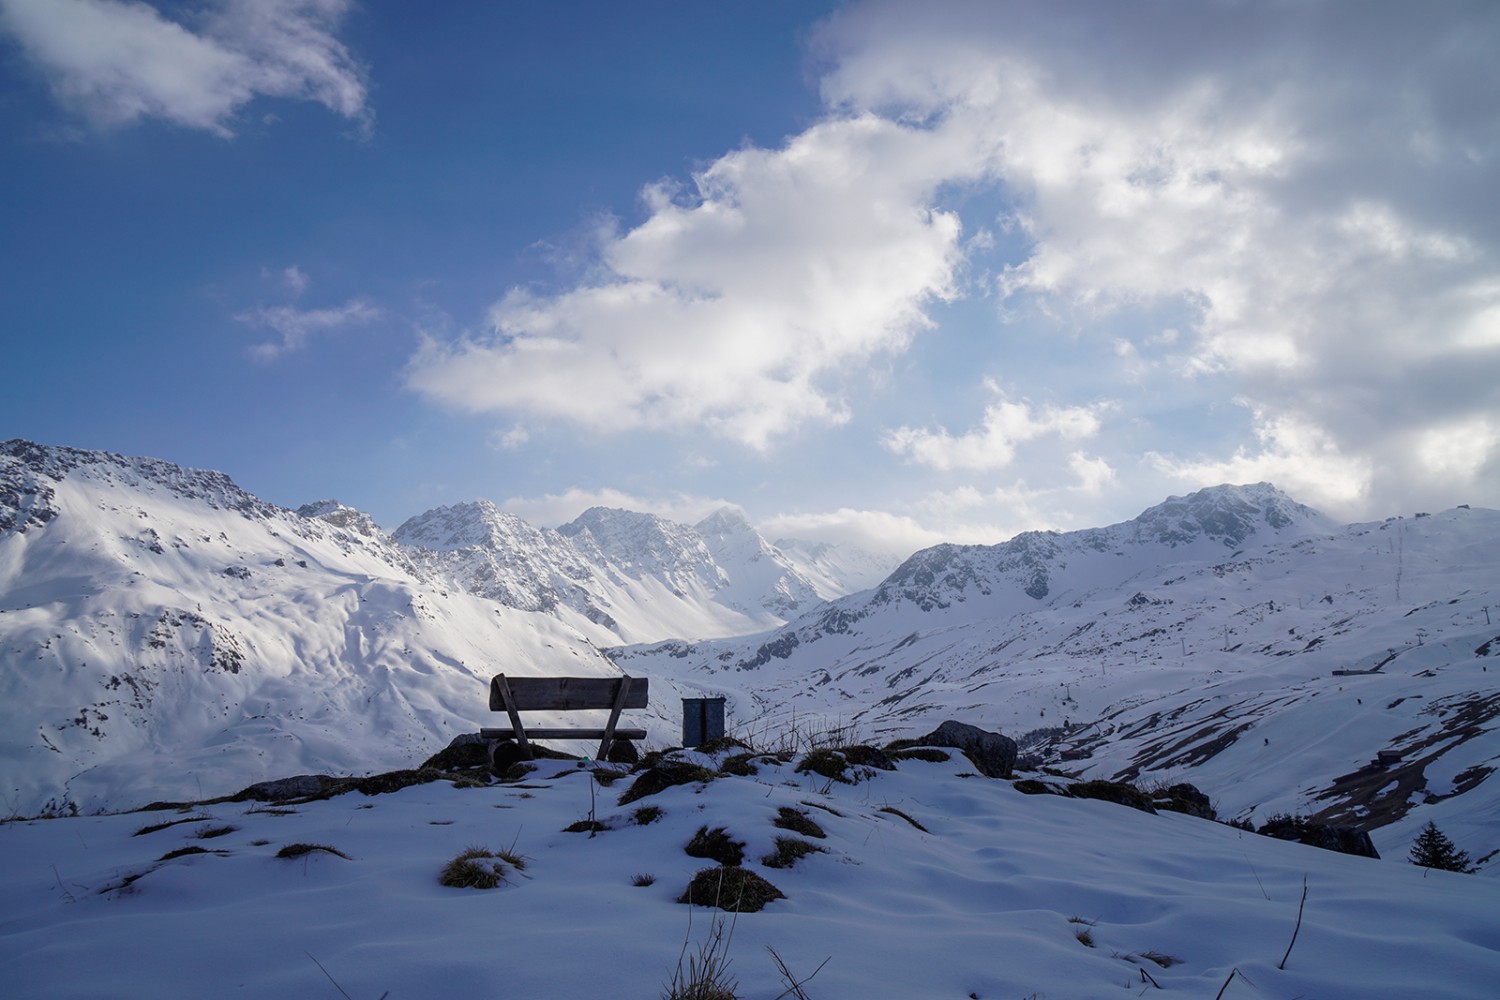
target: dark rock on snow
993 755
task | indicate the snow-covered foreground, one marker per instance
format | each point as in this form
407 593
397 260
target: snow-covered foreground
989 901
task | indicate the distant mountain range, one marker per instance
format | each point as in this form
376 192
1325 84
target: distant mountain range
164 634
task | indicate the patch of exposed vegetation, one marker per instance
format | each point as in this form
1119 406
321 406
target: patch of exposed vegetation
646 815
663 776
789 850
1113 791
737 890
585 826
476 868
153 827
301 850
715 845
741 764
931 755
797 821
897 812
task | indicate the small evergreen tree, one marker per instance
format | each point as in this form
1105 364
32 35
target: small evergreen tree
1434 850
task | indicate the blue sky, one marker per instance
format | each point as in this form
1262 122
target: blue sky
877 271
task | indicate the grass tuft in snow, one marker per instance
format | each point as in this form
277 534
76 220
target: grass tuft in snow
715 845
797 821
737 890
702 971
663 776
153 827
476 868
589 826
897 812
646 815
789 850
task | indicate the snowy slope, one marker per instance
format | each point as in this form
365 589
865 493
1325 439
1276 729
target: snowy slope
999 896
163 633
1197 641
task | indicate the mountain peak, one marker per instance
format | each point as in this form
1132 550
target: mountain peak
724 521
1227 513
461 526
340 516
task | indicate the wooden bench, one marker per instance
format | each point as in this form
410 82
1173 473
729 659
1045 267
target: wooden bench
514 695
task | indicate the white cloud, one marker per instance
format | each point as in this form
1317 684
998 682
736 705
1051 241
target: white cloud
294 326
992 445
1298 456
737 305
1094 474
511 439
553 509
1302 179
881 532
296 280
118 61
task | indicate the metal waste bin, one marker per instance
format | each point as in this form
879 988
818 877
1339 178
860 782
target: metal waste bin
702 720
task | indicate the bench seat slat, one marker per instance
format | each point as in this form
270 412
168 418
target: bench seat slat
620 733
564 694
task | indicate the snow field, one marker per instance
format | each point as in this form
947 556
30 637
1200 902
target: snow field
989 901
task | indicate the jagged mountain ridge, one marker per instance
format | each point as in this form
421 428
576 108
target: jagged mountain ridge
616 575
1197 641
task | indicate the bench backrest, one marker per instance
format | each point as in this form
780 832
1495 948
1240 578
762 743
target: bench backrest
564 694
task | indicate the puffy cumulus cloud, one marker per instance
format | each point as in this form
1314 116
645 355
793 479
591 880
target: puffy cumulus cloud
294 326
1304 178
119 61
740 303
553 509
992 445
1301 458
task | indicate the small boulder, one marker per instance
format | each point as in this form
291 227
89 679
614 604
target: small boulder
467 750
623 752
1185 798
993 755
1344 839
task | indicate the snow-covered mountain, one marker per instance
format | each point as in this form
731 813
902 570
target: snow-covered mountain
1198 641
162 631
617 575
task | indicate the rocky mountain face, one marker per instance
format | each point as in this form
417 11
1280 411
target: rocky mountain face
1198 641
